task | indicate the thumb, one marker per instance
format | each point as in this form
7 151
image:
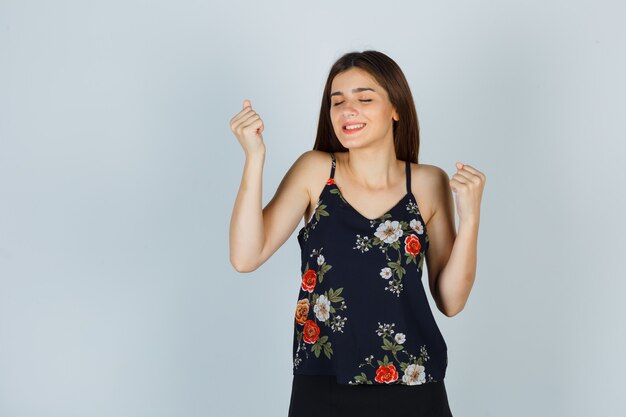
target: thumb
246 102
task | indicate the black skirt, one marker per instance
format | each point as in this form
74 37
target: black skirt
321 395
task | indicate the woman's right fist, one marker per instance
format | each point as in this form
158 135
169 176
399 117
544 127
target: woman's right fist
247 127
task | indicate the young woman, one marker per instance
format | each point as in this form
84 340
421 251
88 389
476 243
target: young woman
365 340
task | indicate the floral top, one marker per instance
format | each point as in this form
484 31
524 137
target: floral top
362 312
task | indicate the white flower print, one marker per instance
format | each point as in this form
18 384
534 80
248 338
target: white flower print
322 308
394 287
411 207
389 231
386 273
417 226
309 335
403 237
385 329
362 243
414 375
385 369
337 323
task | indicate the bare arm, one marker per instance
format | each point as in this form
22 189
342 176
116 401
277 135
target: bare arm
246 224
441 230
451 258
255 233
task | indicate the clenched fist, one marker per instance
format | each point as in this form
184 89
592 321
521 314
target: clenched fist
247 127
468 184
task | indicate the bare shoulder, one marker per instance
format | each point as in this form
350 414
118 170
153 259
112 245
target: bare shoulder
429 184
314 166
315 157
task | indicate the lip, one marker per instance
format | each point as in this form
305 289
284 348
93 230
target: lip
343 128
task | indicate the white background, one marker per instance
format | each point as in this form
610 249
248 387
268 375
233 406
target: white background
118 175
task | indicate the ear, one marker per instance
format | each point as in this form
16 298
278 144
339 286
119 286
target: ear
395 116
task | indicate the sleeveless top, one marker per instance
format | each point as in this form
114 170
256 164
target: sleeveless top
362 312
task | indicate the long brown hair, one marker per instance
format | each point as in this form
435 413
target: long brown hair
389 75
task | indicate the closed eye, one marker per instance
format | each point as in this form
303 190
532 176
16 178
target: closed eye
336 104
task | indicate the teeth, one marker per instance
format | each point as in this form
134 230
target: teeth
354 126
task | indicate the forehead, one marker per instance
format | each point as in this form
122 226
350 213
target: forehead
352 78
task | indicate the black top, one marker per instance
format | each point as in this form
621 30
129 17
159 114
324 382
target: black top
362 312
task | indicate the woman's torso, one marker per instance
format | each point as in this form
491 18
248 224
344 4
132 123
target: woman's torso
362 312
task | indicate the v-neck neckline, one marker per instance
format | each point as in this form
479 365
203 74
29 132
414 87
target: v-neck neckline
408 194
351 207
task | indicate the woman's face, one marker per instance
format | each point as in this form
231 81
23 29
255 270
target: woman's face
356 98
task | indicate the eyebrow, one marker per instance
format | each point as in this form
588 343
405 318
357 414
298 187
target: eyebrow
354 90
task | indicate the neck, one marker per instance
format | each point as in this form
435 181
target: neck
373 169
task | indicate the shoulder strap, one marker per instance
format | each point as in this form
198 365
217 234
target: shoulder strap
332 168
408 177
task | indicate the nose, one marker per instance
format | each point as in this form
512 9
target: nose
349 111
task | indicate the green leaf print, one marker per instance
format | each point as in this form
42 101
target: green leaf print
328 350
390 345
316 349
319 211
361 378
316 313
387 345
333 296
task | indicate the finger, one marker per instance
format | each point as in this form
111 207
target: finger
466 174
470 168
454 185
474 170
241 117
256 123
248 121
460 179
247 103
238 116
457 185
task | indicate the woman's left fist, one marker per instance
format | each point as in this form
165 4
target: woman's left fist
468 184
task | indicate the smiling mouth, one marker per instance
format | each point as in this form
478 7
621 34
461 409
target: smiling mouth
357 127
